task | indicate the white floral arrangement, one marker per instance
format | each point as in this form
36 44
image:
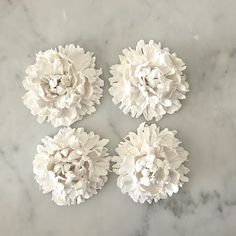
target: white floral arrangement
63 85
149 81
73 165
150 164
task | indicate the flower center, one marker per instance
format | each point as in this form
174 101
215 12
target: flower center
57 84
150 170
69 166
148 79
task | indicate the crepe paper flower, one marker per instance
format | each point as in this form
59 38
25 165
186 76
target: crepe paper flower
63 85
149 164
73 165
149 81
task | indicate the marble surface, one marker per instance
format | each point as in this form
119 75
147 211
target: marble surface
203 34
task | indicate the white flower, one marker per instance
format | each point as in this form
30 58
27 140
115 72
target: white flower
148 81
72 165
150 164
63 85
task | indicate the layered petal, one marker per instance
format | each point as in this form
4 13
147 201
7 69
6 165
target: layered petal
72 165
149 81
63 85
149 164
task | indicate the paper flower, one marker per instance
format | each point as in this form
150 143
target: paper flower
150 164
72 165
63 85
148 81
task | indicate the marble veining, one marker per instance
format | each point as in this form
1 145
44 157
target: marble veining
202 33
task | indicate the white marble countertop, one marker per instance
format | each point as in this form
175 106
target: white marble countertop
203 34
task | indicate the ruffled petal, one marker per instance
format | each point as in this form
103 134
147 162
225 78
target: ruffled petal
149 81
72 165
149 164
